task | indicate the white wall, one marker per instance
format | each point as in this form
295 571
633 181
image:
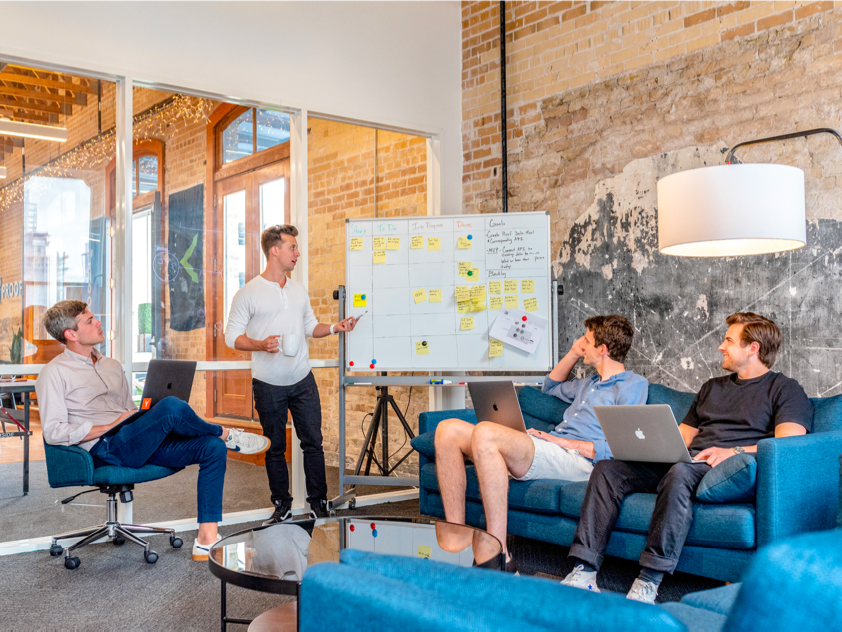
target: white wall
394 63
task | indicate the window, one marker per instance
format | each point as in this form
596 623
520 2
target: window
252 131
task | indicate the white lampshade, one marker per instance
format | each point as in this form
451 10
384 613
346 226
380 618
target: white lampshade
731 210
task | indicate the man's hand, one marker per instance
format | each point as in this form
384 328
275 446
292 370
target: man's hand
346 325
714 456
270 345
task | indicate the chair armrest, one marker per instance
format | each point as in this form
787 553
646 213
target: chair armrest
68 465
428 421
797 485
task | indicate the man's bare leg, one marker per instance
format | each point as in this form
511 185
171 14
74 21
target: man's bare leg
498 451
453 444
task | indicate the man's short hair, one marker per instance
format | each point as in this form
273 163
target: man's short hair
272 236
759 329
613 331
61 317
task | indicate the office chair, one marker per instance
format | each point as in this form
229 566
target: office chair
71 466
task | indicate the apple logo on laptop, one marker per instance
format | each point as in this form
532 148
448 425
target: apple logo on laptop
494 406
639 434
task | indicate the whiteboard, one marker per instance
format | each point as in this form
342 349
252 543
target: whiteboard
388 262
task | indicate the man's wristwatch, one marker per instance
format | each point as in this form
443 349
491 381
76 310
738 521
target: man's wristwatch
738 450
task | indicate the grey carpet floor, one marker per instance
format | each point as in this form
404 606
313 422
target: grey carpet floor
41 512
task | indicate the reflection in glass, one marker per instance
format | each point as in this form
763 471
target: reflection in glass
147 170
272 212
237 138
235 246
272 129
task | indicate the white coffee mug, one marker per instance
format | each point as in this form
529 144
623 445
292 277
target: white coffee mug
291 343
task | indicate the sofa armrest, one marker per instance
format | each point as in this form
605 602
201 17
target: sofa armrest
797 485
428 421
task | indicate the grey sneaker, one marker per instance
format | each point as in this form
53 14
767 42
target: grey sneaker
580 578
246 442
643 591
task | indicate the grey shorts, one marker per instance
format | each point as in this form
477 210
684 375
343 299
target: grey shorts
553 461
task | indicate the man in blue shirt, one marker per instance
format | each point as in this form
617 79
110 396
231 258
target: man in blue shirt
568 452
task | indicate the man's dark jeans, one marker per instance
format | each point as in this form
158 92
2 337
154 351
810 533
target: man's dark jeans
172 435
611 482
302 399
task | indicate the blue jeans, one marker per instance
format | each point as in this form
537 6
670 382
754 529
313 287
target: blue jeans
172 435
302 400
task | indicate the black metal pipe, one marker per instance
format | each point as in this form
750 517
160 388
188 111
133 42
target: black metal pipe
821 130
504 171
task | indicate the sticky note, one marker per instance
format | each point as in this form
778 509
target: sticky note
510 286
463 292
379 256
425 552
356 243
511 301
435 296
433 243
360 300
464 266
495 302
464 243
530 304
463 307
422 349
495 287
393 243
527 286
379 243
477 291
416 242
419 295
467 323
495 348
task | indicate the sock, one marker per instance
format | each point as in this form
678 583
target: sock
589 568
648 575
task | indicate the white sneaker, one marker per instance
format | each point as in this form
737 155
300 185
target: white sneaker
580 578
246 442
643 591
200 551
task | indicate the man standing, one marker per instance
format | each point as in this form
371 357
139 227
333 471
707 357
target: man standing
729 415
82 394
269 306
568 452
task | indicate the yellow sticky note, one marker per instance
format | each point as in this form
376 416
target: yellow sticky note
379 256
530 304
360 300
464 267
393 243
422 348
463 292
419 295
527 286
467 322
379 243
495 287
495 348
356 243
425 552
463 307
435 296
511 301
510 286
478 291
495 302
464 243
416 242
433 243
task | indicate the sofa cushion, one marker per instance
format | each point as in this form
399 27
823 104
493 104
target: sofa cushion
679 401
540 410
827 413
425 443
726 526
732 481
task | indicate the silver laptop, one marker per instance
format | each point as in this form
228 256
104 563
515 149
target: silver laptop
647 433
497 402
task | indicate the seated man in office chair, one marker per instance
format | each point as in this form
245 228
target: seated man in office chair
83 394
567 453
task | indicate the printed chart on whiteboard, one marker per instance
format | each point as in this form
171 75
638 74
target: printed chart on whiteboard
429 292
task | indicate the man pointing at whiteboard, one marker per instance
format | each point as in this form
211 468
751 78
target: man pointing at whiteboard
271 316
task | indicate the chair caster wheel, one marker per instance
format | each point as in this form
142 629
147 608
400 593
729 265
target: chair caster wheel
119 541
72 563
150 556
175 542
56 550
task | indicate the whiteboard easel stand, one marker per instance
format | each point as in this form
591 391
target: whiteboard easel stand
349 497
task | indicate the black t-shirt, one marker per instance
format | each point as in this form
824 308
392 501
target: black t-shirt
731 412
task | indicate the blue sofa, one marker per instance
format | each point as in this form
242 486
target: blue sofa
797 481
792 585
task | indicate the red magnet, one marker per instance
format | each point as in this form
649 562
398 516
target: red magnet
524 319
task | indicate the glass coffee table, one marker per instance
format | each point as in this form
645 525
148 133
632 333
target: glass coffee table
272 559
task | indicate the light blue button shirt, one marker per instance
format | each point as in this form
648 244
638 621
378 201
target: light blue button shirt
580 421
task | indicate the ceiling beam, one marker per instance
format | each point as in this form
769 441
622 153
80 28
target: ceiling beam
46 119
79 98
6 75
26 104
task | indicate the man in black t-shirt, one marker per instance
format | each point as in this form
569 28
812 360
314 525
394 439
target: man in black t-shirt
729 415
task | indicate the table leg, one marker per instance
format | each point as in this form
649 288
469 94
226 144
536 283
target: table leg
26 444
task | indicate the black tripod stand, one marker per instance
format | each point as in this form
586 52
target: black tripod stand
380 421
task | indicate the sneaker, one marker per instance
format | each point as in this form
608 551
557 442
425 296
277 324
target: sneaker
580 578
246 442
643 591
200 551
282 513
319 510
